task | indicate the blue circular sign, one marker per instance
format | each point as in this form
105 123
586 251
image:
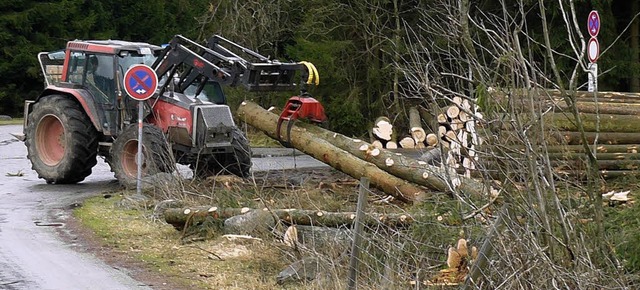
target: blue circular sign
140 82
593 23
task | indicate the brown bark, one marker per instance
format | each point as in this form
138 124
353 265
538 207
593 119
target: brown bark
573 138
601 148
178 217
590 122
603 107
555 95
600 156
606 122
324 151
406 168
577 164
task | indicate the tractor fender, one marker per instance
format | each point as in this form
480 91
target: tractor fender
83 97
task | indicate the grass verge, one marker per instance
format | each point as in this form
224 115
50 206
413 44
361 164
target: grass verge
15 121
213 264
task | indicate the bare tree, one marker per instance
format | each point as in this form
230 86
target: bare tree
501 59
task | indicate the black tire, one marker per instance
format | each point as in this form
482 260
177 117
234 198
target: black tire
157 156
236 163
62 143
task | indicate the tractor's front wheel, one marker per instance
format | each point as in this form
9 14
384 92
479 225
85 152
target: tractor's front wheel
62 143
123 156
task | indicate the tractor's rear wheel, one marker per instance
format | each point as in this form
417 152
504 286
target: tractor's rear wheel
62 143
123 156
237 163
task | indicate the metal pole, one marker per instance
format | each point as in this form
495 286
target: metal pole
140 153
357 235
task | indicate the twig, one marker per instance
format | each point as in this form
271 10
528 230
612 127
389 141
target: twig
475 212
207 251
196 194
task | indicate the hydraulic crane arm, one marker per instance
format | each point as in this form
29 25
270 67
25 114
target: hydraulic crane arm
227 63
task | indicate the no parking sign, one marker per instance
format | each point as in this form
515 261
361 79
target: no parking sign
140 82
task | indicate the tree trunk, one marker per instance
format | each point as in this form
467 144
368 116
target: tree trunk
600 156
398 165
406 168
573 138
601 148
603 108
179 217
608 123
324 151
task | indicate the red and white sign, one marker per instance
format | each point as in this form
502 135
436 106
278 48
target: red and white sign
593 49
140 82
593 23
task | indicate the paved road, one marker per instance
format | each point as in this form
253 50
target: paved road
32 255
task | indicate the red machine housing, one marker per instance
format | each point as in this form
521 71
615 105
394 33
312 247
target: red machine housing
300 107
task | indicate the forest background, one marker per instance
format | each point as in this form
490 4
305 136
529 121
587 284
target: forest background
360 47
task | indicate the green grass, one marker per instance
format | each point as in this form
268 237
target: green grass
15 121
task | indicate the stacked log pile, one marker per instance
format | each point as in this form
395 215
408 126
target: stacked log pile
611 118
457 132
453 127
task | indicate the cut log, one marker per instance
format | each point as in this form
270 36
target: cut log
601 95
377 144
604 123
417 132
442 130
599 156
603 108
319 148
466 105
579 164
406 168
453 112
573 138
442 119
391 145
608 122
178 217
601 148
382 128
407 142
432 139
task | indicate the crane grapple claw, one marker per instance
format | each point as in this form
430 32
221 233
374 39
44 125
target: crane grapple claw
299 107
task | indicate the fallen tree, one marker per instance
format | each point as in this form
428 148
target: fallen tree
179 217
342 147
326 152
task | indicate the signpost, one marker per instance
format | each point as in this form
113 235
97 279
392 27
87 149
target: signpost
140 83
593 49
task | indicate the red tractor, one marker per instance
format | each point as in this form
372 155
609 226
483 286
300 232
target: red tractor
84 110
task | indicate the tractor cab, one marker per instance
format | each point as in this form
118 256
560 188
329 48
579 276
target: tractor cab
93 71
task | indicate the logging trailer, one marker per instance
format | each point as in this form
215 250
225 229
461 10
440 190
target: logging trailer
84 110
